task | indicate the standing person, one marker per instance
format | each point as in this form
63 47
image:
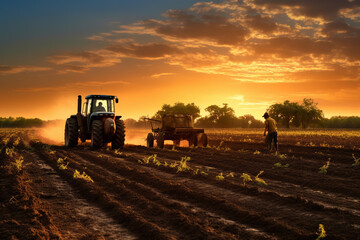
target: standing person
270 127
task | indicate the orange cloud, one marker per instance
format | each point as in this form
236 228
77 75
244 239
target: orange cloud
184 25
157 75
149 51
7 69
309 8
80 62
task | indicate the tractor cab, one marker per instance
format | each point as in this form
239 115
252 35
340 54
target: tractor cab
99 103
98 107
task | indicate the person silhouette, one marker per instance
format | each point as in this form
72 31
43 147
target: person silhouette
270 127
99 108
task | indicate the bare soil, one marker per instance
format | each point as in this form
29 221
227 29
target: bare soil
157 200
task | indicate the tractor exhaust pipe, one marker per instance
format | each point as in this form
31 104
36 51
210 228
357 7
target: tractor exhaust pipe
80 120
79 104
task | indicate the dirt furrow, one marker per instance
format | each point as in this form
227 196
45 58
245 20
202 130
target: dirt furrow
245 162
209 201
76 217
312 199
173 216
293 206
114 208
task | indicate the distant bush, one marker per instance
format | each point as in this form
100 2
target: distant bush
20 122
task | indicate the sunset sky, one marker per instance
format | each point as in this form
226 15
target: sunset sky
249 54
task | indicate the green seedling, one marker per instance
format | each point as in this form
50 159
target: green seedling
246 178
10 151
155 160
5 141
204 173
183 164
279 165
118 152
16 142
323 169
256 152
230 175
321 232
227 149
173 165
259 180
61 163
174 149
18 165
151 158
220 177
83 176
356 161
220 145
281 156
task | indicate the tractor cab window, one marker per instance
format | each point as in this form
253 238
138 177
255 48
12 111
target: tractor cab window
88 106
84 108
103 105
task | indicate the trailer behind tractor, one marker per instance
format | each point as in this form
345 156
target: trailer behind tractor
175 127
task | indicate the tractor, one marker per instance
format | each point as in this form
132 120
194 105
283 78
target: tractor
175 127
96 121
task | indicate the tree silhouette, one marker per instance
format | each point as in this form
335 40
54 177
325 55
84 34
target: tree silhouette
293 113
178 108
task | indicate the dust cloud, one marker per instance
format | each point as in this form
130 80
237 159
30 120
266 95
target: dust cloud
136 136
52 132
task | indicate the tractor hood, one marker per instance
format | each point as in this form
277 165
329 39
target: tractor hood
102 114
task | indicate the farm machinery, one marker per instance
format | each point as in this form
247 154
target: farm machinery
175 127
97 121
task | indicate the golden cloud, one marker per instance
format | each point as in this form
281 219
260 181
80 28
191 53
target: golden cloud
7 69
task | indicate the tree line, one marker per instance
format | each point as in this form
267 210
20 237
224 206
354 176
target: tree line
20 122
287 114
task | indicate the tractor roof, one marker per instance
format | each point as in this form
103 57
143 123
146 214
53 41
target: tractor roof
100 96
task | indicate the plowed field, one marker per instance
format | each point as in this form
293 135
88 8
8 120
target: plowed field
141 193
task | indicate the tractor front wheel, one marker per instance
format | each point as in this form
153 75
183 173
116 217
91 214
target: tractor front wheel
71 132
202 140
97 134
150 140
119 136
160 140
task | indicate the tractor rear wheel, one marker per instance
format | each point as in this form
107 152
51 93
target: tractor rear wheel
71 132
118 140
202 140
97 134
150 140
193 141
160 140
